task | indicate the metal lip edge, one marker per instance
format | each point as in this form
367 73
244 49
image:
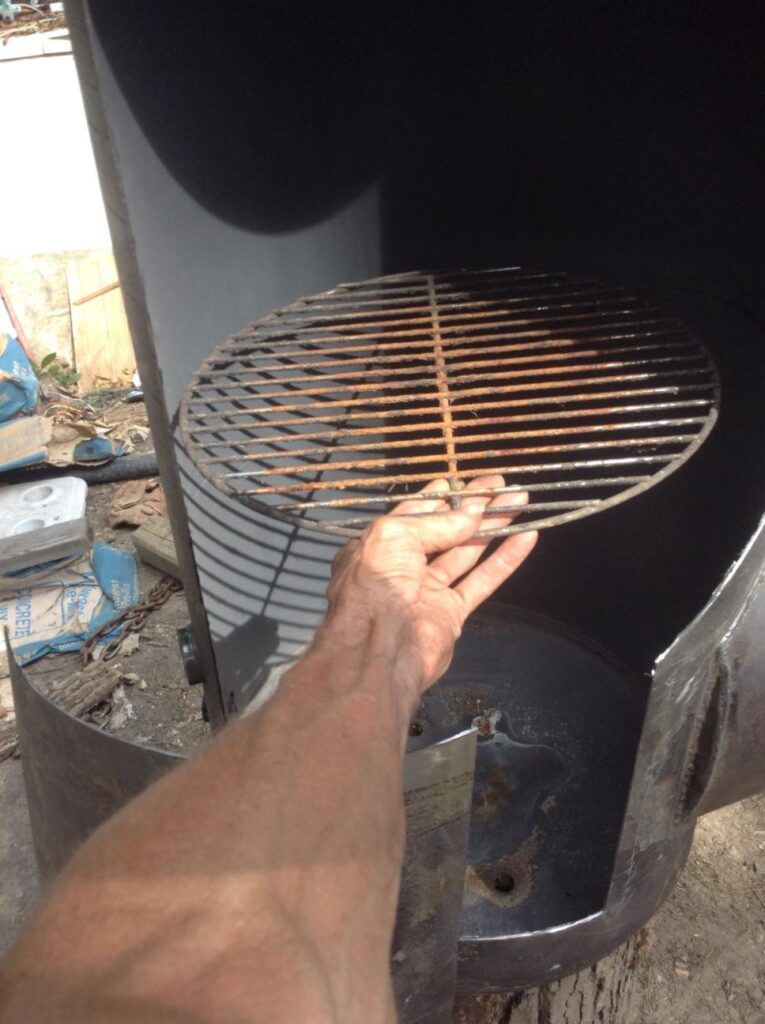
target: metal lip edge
637 908
682 638
557 929
447 739
19 669
438 752
447 758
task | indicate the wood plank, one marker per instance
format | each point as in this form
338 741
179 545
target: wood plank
9 740
37 286
86 688
24 438
77 693
154 543
102 345
96 294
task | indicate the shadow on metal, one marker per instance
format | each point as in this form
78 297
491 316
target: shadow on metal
76 776
586 788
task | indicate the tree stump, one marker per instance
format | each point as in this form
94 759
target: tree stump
602 994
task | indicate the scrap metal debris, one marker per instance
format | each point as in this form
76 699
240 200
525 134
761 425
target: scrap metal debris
129 620
115 713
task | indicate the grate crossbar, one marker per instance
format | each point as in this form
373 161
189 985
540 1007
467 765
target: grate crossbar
341 406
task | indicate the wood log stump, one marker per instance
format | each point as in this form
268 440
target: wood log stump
77 693
602 994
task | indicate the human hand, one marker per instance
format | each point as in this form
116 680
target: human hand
406 587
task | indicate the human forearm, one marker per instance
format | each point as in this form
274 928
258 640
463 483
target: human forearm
251 862
259 881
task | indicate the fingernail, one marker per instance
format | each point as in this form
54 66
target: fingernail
472 507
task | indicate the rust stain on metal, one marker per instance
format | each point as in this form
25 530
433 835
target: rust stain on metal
407 398
384 431
472 701
491 453
211 426
497 796
508 881
424 442
488 371
487 722
325 413
463 474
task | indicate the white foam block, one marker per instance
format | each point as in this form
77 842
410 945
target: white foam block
41 521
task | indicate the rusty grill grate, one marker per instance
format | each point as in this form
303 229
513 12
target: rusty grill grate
336 408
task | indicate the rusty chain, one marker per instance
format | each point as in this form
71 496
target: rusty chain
130 619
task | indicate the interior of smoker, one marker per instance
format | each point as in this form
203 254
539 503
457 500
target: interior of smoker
621 141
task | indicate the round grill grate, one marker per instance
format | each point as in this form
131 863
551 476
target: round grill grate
330 411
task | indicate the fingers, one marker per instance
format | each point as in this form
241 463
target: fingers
428 526
343 556
498 567
422 506
403 536
455 563
419 506
508 500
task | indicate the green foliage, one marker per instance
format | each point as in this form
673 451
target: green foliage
51 367
99 397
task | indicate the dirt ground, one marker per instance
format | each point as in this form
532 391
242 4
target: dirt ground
704 962
157 707
166 712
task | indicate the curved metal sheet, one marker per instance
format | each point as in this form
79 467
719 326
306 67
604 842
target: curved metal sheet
703 740
76 776
524 960
438 790
728 761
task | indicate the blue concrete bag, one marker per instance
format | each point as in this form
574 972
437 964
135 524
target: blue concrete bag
18 384
56 614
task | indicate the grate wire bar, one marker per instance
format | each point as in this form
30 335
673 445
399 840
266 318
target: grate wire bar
337 408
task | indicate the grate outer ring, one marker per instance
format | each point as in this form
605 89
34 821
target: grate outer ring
409 350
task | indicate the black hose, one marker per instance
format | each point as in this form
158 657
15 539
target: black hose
124 467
